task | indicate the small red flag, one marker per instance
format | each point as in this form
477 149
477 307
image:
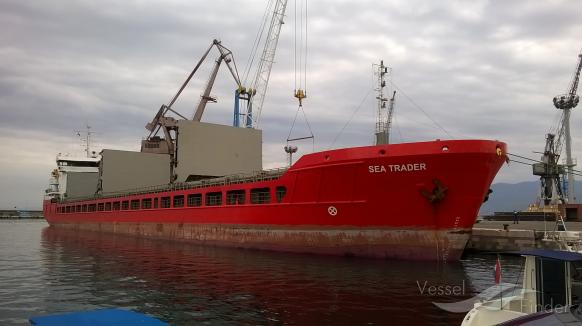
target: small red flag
497 271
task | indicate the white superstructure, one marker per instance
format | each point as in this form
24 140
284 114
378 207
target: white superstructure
66 166
75 175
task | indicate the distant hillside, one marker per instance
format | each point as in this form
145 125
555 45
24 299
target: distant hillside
516 196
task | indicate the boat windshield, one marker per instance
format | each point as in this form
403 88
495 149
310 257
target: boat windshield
576 279
78 163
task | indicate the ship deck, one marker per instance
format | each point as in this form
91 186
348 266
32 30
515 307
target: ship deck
264 175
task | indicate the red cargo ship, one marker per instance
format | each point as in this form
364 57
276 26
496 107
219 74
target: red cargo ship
406 201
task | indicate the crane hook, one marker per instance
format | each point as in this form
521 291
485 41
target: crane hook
300 95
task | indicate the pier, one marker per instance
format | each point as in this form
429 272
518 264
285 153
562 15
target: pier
20 214
504 236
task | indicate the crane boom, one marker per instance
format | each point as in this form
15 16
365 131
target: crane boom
571 99
567 102
261 79
167 124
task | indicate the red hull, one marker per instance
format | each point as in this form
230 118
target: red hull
368 201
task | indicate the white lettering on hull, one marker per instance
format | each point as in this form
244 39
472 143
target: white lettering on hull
376 169
408 167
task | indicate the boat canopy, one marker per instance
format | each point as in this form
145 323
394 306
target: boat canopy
97 317
553 254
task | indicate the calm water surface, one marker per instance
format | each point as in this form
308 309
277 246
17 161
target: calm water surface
45 270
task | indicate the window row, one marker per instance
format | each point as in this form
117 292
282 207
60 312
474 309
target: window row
233 197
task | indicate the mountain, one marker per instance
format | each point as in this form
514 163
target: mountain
507 197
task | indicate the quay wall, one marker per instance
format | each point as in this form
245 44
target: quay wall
500 240
17 214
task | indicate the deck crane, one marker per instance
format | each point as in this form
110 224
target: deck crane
255 95
162 121
549 170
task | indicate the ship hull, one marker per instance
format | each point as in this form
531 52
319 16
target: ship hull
414 201
406 244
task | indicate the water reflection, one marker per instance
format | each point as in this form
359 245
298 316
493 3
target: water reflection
184 283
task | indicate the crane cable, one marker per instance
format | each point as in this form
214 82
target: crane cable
257 41
300 69
576 172
414 104
300 50
351 117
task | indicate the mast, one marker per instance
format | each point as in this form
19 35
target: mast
382 122
86 138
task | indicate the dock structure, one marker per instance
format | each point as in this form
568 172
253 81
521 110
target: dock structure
570 213
20 214
495 236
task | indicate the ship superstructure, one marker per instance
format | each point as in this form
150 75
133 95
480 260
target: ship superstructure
75 175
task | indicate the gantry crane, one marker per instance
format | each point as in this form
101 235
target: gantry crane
549 170
567 102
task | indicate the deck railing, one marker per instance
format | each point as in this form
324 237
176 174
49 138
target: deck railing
265 175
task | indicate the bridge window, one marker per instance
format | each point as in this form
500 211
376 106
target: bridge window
260 196
214 199
107 206
179 201
125 205
135 204
116 206
156 202
194 200
100 207
235 197
92 207
84 209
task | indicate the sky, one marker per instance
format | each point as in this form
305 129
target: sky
479 69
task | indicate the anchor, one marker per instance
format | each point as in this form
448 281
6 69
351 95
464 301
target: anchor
437 194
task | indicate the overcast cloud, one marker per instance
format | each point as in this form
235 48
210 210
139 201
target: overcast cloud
481 69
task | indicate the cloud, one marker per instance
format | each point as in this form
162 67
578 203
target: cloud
480 69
